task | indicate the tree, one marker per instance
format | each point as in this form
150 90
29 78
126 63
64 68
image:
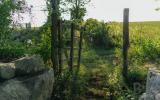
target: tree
77 8
55 16
8 8
56 8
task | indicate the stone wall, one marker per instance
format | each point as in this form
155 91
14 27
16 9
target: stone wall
26 79
153 86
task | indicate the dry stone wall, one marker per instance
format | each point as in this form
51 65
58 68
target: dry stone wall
26 79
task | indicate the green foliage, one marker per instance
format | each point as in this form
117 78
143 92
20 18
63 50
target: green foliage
143 48
44 46
81 13
96 34
137 75
115 34
70 86
136 55
144 41
11 51
97 64
6 6
144 38
77 9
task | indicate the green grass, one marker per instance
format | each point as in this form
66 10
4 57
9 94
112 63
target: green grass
101 63
100 74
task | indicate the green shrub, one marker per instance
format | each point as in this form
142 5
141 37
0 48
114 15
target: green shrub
44 46
139 53
137 74
136 55
97 34
117 88
44 51
11 51
144 41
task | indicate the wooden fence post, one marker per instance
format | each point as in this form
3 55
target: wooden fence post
72 47
125 42
80 46
60 46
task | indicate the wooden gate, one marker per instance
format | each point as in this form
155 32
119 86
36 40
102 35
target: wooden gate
63 49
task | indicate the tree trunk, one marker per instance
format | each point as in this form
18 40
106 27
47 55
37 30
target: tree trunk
54 34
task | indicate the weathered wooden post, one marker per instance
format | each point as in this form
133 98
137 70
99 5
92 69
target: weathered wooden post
125 42
80 46
60 46
72 47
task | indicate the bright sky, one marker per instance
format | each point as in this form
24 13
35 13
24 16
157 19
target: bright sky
108 10
112 10
39 16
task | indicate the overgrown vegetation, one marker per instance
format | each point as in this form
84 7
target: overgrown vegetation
9 49
99 76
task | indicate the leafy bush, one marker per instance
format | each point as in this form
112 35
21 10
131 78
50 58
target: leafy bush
136 55
137 74
117 88
11 51
96 34
43 47
115 34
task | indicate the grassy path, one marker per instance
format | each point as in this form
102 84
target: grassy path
98 64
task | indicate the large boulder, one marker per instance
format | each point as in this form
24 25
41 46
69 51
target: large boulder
38 87
29 65
26 79
24 66
153 86
14 90
7 70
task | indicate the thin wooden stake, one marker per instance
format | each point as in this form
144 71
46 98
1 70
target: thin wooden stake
72 48
59 47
